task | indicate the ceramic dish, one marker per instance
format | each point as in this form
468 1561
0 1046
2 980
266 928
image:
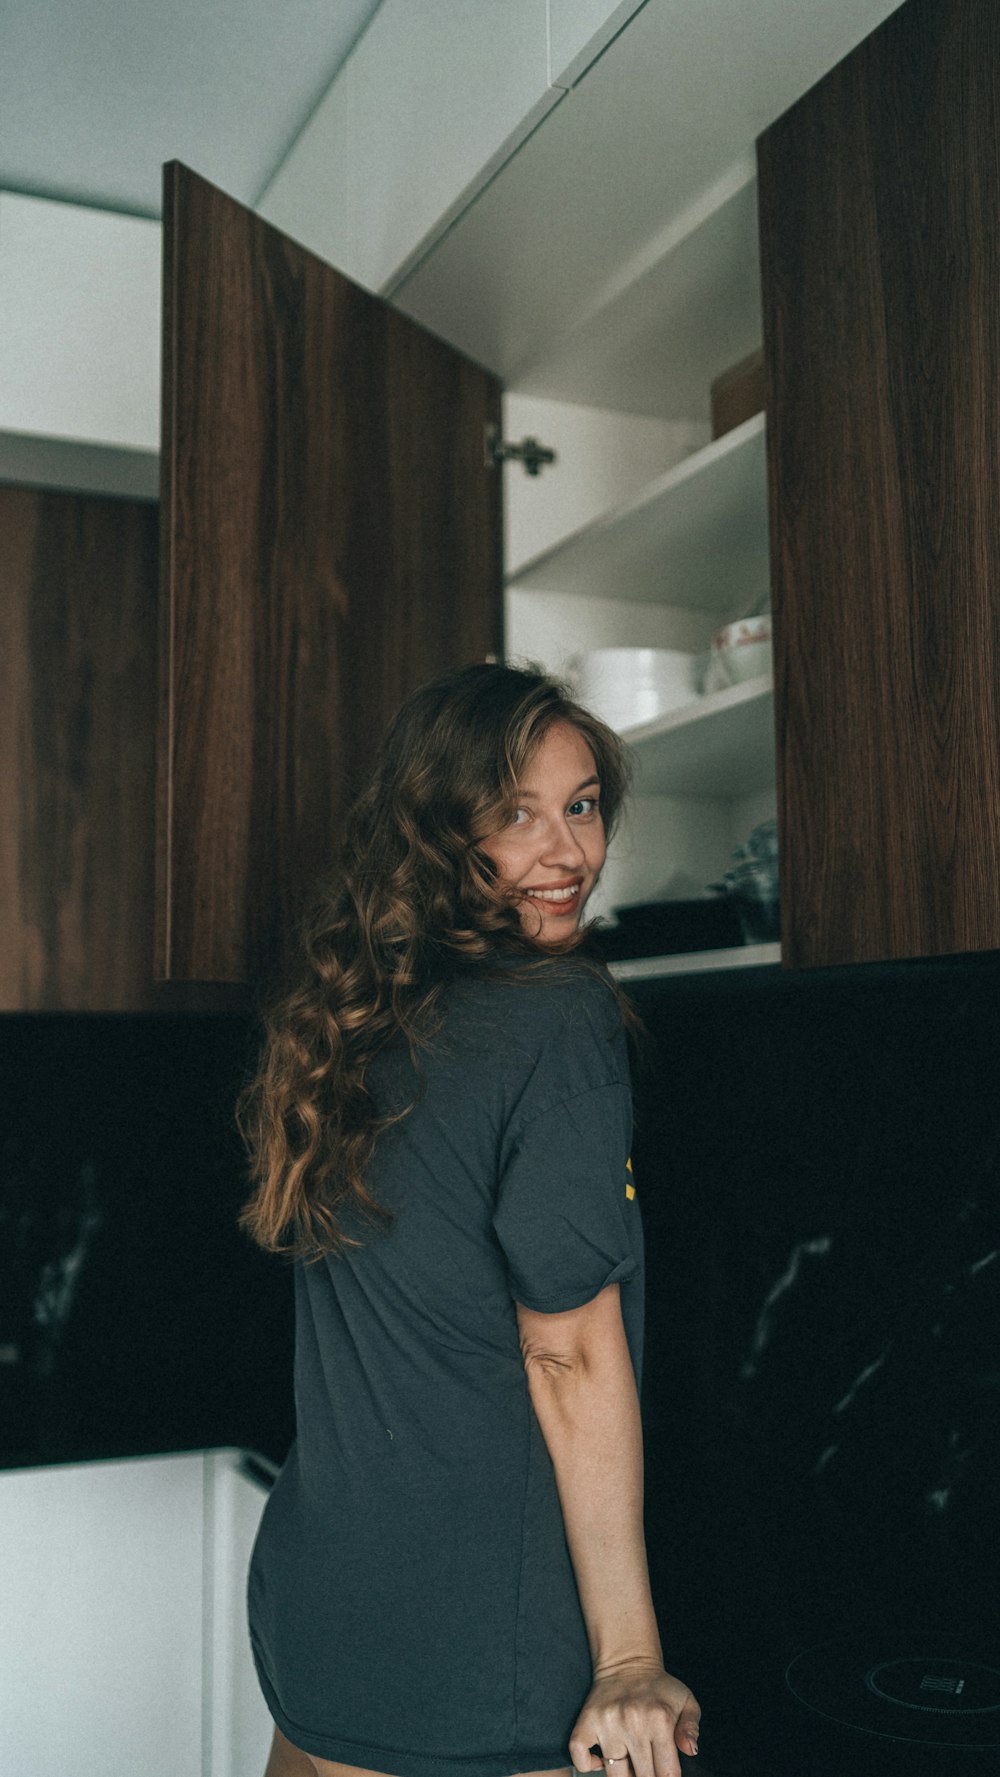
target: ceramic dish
625 686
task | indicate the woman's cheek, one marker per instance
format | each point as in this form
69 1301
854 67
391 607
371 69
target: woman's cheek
507 865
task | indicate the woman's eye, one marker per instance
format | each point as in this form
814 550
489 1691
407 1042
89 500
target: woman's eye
583 806
520 818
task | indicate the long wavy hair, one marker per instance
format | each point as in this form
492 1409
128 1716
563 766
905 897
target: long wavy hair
414 902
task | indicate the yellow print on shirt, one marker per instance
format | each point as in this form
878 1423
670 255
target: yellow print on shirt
629 1188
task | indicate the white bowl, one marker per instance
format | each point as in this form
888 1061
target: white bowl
625 686
742 651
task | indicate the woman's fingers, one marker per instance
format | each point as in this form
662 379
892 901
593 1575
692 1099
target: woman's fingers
588 1757
648 1758
643 1713
688 1728
645 1755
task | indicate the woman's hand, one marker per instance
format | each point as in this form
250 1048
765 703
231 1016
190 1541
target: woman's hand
641 1710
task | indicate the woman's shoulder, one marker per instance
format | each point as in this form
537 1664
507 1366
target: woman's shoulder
536 1003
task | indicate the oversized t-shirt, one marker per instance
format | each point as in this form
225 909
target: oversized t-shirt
413 1607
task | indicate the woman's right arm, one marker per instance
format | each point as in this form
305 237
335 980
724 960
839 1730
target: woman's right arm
583 1391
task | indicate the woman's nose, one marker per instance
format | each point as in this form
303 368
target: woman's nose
562 845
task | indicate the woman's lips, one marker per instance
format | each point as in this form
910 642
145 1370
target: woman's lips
556 897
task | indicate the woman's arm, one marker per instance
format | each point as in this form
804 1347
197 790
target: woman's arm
583 1391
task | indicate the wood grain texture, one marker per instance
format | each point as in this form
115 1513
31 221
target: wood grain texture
331 540
78 583
880 249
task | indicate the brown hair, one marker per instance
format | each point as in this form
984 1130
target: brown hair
415 900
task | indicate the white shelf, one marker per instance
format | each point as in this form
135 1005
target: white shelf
694 538
696 962
720 745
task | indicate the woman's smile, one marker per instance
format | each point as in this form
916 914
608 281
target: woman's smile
562 897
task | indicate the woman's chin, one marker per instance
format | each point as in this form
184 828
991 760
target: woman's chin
549 928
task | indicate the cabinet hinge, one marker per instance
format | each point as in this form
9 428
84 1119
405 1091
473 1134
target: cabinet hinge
529 452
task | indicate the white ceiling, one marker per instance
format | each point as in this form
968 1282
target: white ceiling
96 94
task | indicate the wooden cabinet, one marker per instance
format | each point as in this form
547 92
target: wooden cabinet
881 272
77 740
307 589
331 540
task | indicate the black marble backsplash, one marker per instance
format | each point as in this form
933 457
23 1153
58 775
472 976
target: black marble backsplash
134 1315
818 1158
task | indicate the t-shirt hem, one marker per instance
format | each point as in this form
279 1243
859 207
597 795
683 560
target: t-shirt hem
410 1764
622 1273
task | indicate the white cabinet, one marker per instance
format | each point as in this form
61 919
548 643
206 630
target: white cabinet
123 1640
238 1726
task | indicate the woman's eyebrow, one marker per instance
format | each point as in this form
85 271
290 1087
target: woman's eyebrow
532 795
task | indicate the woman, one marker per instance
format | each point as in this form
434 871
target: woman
450 1574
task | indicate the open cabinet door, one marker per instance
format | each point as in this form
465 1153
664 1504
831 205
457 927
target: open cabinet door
880 259
330 539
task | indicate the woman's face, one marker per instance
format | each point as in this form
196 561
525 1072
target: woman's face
550 856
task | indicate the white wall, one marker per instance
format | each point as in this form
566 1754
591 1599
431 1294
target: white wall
434 98
79 324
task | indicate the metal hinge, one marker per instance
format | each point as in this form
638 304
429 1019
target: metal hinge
529 452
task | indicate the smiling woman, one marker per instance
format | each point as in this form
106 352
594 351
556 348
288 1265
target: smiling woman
550 855
450 1574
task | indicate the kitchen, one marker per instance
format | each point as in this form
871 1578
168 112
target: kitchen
803 1102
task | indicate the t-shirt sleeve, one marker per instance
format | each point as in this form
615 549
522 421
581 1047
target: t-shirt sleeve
565 1194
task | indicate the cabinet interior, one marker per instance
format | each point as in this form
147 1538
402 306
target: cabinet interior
647 533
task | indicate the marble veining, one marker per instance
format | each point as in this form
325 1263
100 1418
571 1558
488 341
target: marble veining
818 1248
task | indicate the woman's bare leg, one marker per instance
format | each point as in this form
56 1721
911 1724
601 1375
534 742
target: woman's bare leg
330 1768
287 1761
324 1767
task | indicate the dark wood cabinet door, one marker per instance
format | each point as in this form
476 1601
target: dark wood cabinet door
880 245
78 577
330 539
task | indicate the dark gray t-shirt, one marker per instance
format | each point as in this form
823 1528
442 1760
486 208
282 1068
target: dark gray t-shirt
413 1608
